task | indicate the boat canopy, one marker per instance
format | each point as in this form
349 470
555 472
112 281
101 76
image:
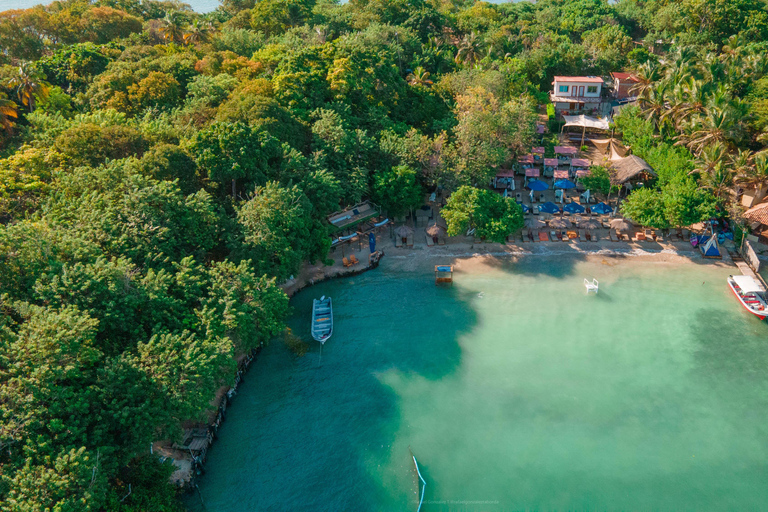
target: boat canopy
748 284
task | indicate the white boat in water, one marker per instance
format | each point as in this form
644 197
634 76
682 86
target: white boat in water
751 295
322 319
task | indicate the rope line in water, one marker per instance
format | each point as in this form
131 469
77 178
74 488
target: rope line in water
424 486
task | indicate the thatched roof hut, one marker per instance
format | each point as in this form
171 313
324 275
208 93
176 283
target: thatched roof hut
630 168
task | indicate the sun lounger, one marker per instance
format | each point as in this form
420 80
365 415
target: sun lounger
430 241
345 262
614 236
543 236
409 241
541 197
440 240
648 233
582 235
532 237
524 237
398 242
659 236
519 197
353 260
595 235
534 210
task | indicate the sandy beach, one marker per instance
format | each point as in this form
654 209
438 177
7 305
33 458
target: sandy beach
468 256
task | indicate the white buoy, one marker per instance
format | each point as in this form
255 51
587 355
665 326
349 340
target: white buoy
591 287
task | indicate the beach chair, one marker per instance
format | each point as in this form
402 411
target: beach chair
398 242
648 235
614 236
582 236
440 240
531 237
519 197
541 198
345 262
543 236
409 241
535 210
659 236
553 236
353 260
430 241
565 237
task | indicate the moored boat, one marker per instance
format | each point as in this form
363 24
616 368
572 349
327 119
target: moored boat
751 295
322 319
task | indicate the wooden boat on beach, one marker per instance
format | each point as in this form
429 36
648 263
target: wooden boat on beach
751 295
322 319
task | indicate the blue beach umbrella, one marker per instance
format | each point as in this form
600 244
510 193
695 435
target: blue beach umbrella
573 208
549 207
525 208
602 209
538 185
564 184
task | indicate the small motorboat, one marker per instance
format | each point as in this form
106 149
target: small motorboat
322 319
751 294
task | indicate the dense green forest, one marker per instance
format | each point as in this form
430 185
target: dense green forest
161 171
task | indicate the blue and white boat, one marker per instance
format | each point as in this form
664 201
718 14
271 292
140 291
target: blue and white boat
322 319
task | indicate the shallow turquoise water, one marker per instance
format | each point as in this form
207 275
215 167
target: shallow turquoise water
514 389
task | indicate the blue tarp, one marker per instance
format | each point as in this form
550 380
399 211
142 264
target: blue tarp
602 209
549 207
573 208
564 184
537 185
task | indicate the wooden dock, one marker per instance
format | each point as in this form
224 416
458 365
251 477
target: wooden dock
746 270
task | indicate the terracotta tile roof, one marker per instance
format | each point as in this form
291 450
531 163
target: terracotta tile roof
590 79
758 213
624 76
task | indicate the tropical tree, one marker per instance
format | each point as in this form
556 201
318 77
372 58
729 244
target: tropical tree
199 32
29 84
172 27
470 50
419 76
492 216
8 113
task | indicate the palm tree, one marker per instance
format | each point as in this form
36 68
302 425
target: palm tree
647 75
756 175
8 113
419 76
29 85
172 28
711 159
470 49
198 32
719 181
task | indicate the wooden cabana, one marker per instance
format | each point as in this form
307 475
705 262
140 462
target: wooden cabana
564 154
630 170
550 164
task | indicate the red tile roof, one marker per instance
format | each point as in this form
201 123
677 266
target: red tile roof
590 79
758 213
624 76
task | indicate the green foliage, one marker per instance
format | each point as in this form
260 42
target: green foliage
678 203
598 179
492 216
397 190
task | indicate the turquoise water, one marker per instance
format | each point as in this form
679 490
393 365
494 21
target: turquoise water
514 389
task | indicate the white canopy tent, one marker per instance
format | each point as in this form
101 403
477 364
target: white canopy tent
587 122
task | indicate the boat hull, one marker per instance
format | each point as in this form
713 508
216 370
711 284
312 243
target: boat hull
761 315
322 319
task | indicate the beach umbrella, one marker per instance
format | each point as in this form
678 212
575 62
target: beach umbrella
537 185
435 230
564 184
621 225
525 207
534 223
602 209
549 207
573 208
560 223
404 231
589 224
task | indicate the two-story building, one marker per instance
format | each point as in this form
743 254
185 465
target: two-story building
573 94
623 84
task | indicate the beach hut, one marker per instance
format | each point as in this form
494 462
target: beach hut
504 179
532 172
564 154
629 171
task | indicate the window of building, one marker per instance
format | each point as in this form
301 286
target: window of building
563 88
592 88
